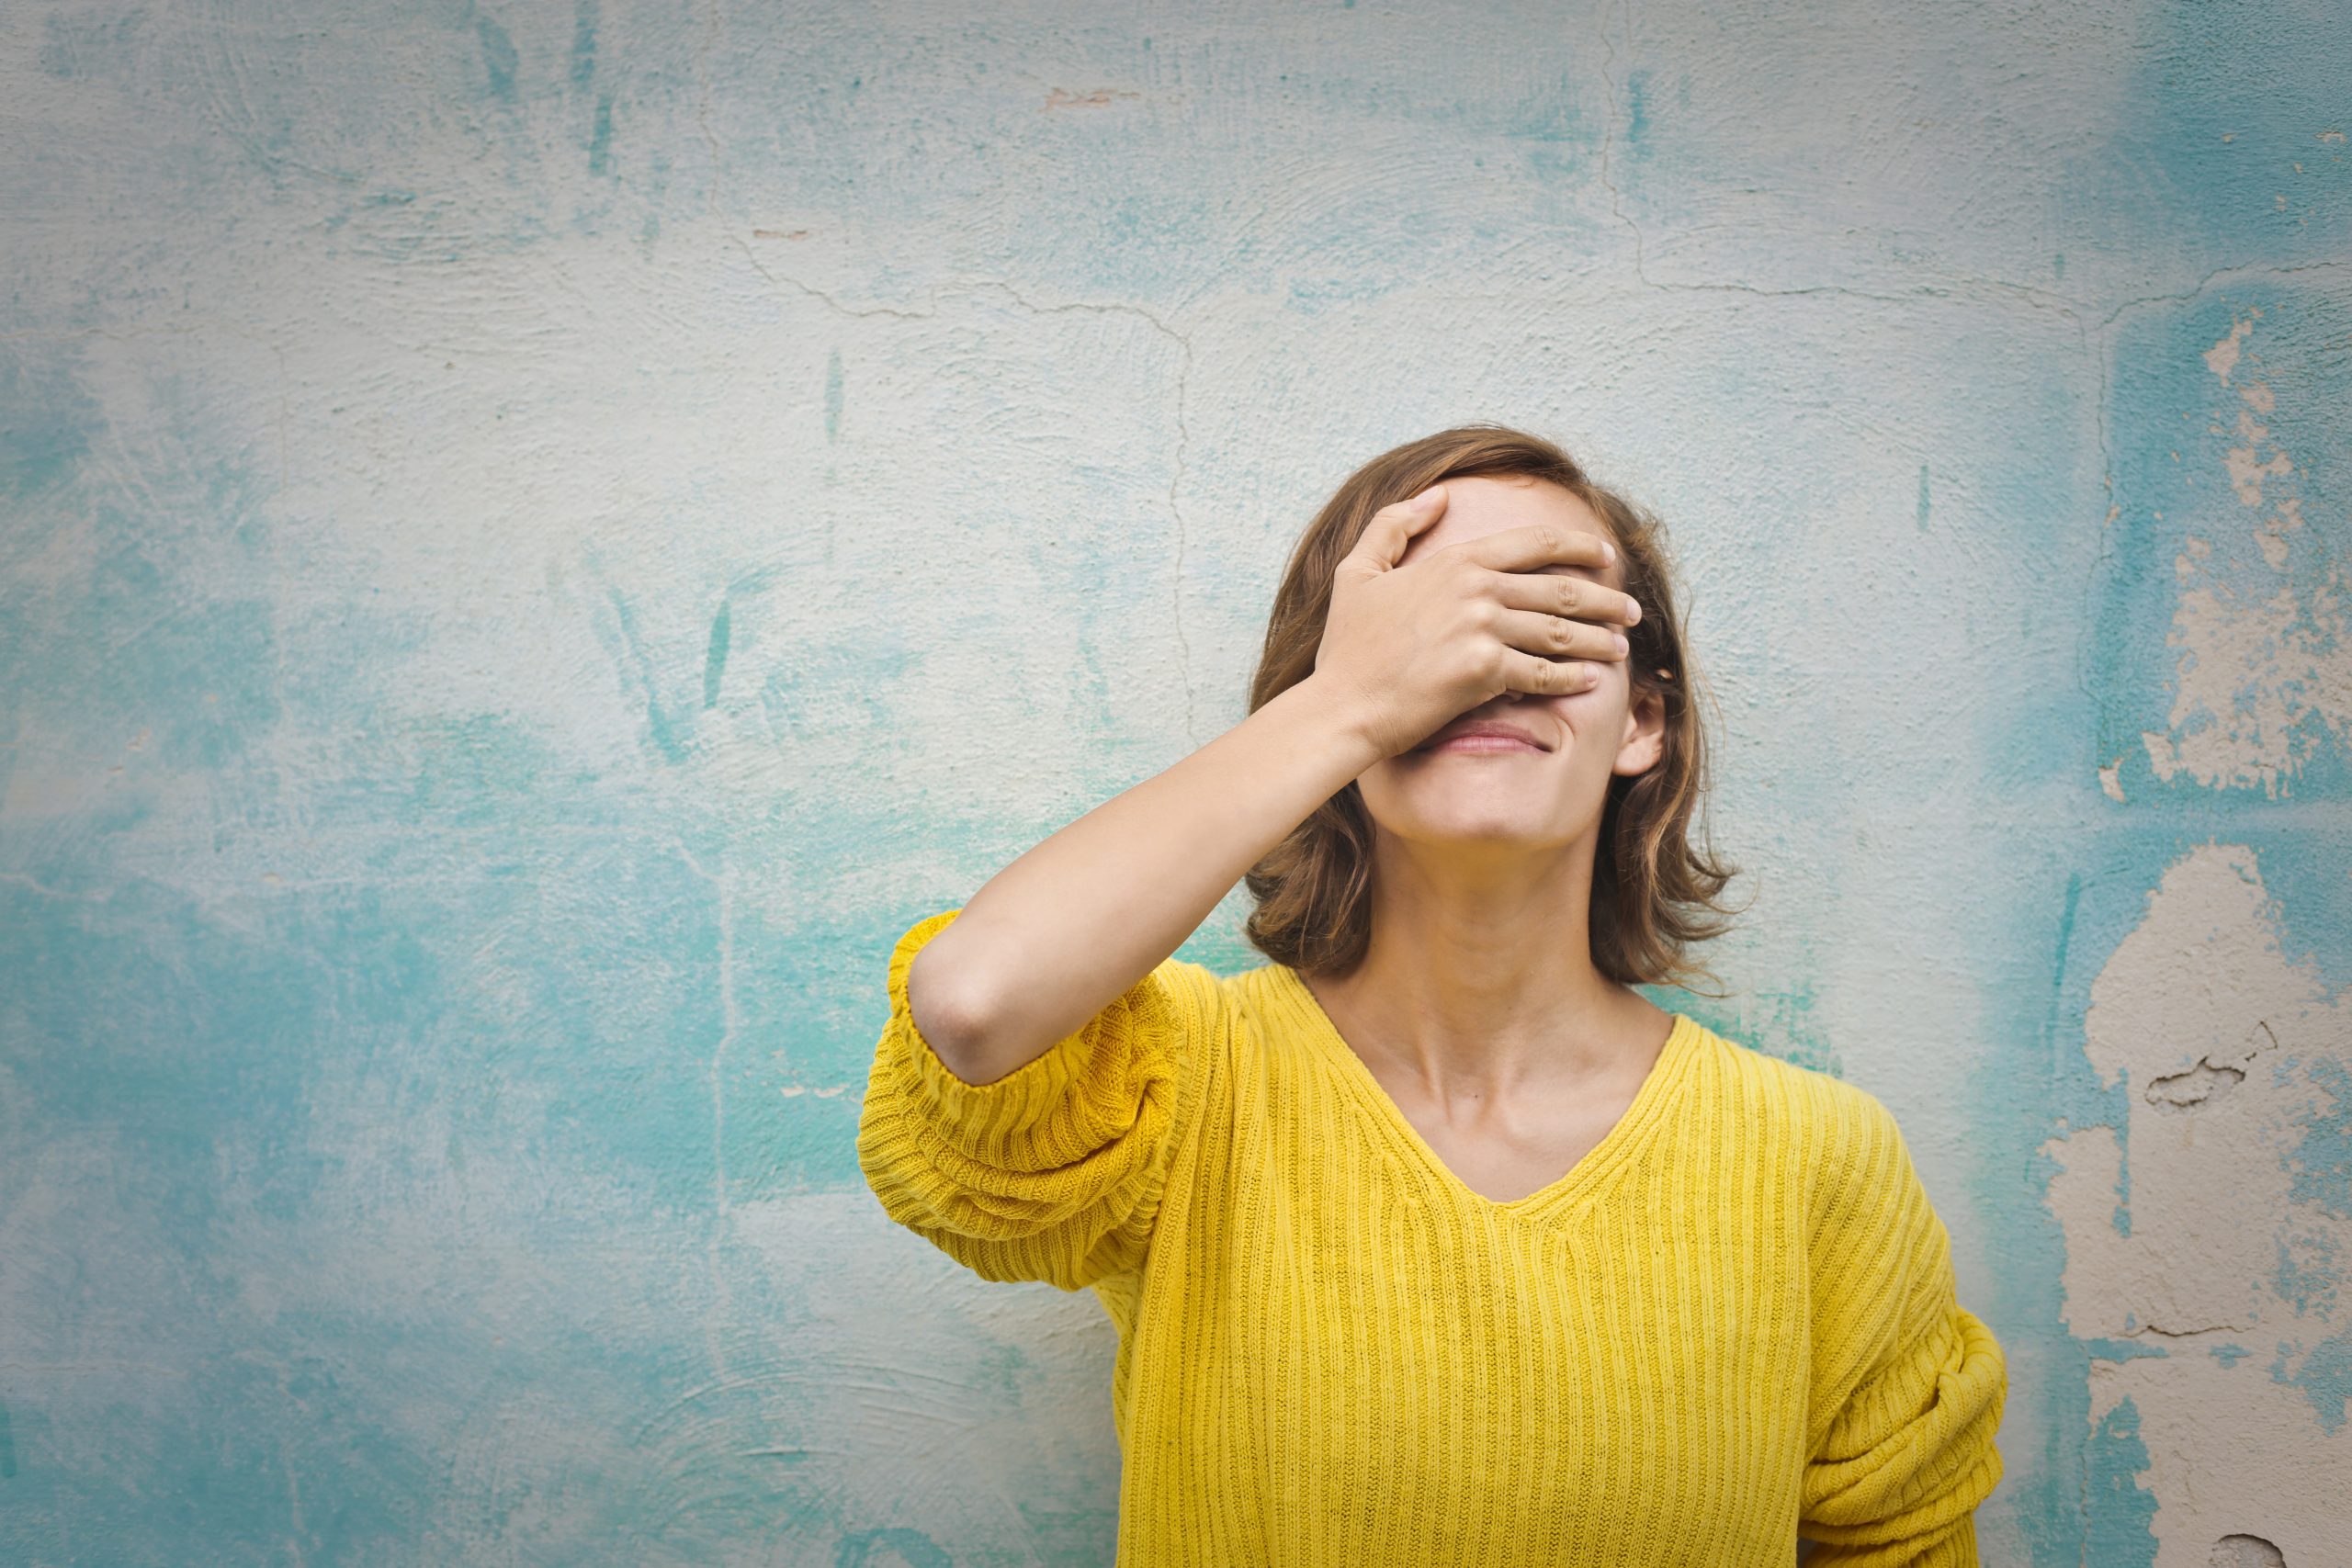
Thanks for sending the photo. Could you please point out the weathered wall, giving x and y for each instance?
(538, 537)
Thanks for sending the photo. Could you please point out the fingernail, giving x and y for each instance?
(1430, 494)
(1618, 638)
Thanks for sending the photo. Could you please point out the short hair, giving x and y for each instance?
(1654, 892)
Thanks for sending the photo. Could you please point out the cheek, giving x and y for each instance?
(1605, 697)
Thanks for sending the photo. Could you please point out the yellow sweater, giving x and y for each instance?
(1731, 1324)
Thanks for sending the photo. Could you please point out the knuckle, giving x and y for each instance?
(1572, 595)
(1563, 634)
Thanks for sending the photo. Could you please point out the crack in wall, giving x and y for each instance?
(1183, 428)
(1176, 474)
(2209, 1080)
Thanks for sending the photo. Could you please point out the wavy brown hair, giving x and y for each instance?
(1654, 892)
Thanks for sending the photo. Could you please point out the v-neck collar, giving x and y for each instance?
(1649, 1107)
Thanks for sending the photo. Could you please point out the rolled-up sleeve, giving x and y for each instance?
(1909, 1384)
(1056, 1171)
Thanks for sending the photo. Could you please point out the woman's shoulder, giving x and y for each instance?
(1827, 1123)
(1270, 999)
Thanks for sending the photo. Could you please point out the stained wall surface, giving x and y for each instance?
(535, 539)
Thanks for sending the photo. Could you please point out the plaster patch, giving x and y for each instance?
(2261, 675)
(2262, 680)
(2222, 357)
(2247, 468)
(2227, 1054)
(2229, 1453)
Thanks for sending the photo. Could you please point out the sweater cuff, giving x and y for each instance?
(1054, 1109)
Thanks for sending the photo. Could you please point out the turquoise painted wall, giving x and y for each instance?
(535, 539)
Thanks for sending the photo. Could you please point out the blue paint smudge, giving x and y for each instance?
(87, 49)
(2122, 1215)
(2118, 1513)
(2307, 1284)
(822, 690)
(47, 417)
(2325, 1378)
(833, 396)
(2122, 1350)
(2041, 1003)
(713, 664)
(2321, 1163)
(583, 43)
(871, 1549)
(2199, 146)
(1923, 498)
(1783, 1023)
(632, 658)
(2064, 940)
(498, 58)
(2231, 1355)
(600, 139)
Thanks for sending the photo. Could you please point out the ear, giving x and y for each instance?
(1645, 741)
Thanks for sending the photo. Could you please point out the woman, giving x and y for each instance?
(1432, 1240)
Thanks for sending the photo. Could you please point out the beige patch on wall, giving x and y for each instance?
(2213, 1034)
(2252, 667)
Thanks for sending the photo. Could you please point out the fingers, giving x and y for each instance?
(1392, 527)
(1539, 545)
(1557, 593)
(1556, 637)
(1539, 676)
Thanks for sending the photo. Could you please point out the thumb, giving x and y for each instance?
(1392, 527)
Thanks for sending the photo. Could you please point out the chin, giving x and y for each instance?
(1475, 818)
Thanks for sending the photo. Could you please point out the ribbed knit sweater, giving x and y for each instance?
(1730, 1325)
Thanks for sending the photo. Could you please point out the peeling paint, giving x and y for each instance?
(2265, 671)
(2220, 1040)
(2244, 572)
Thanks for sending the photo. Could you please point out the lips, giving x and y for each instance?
(1482, 727)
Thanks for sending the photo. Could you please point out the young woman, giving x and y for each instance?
(1432, 1240)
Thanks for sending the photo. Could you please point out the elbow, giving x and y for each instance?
(953, 1019)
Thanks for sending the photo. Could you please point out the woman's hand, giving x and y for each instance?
(1409, 649)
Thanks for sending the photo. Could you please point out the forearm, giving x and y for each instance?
(1057, 935)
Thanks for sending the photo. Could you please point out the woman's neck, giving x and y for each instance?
(1479, 977)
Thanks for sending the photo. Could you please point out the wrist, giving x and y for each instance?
(1337, 721)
